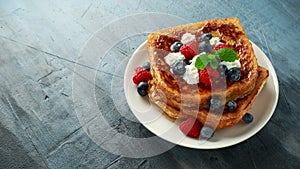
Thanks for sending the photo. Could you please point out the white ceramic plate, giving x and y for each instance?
(154, 120)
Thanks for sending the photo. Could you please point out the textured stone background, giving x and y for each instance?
(40, 42)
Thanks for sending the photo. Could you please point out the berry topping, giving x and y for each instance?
(206, 37)
(191, 127)
(175, 47)
(231, 105)
(247, 118)
(222, 69)
(207, 132)
(142, 88)
(219, 46)
(146, 65)
(141, 75)
(208, 75)
(213, 73)
(205, 46)
(215, 103)
(178, 67)
(138, 69)
(234, 74)
(204, 77)
(189, 62)
(189, 50)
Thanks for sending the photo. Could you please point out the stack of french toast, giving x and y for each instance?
(178, 98)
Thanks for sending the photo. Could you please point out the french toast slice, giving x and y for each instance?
(174, 95)
(229, 31)
(219, 121)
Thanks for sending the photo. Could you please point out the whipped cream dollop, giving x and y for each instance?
(214, 41)
(191, 76)
(230, 65)
(171, 58)
(188, 37)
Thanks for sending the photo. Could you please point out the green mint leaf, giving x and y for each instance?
(199, 64)
(211, 56)
(214, 63)
(227, 54)
(202, 61)
(204, 58)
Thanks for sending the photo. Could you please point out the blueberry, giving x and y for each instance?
(205, 46)
(247, 118)
(178, 67)
(188, 62)
(222, 70)
(231, 105)
(175, 47)
(142, 88)
(207, 132)
(215, 103)
(234, 74)
(206, 37)
(146, 65)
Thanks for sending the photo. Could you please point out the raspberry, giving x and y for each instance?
(219, 46)
(191, 127)
(204, 77)
(213, 73)
(138, 69)
(207, 75)
(190, 49)
(141, 75)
